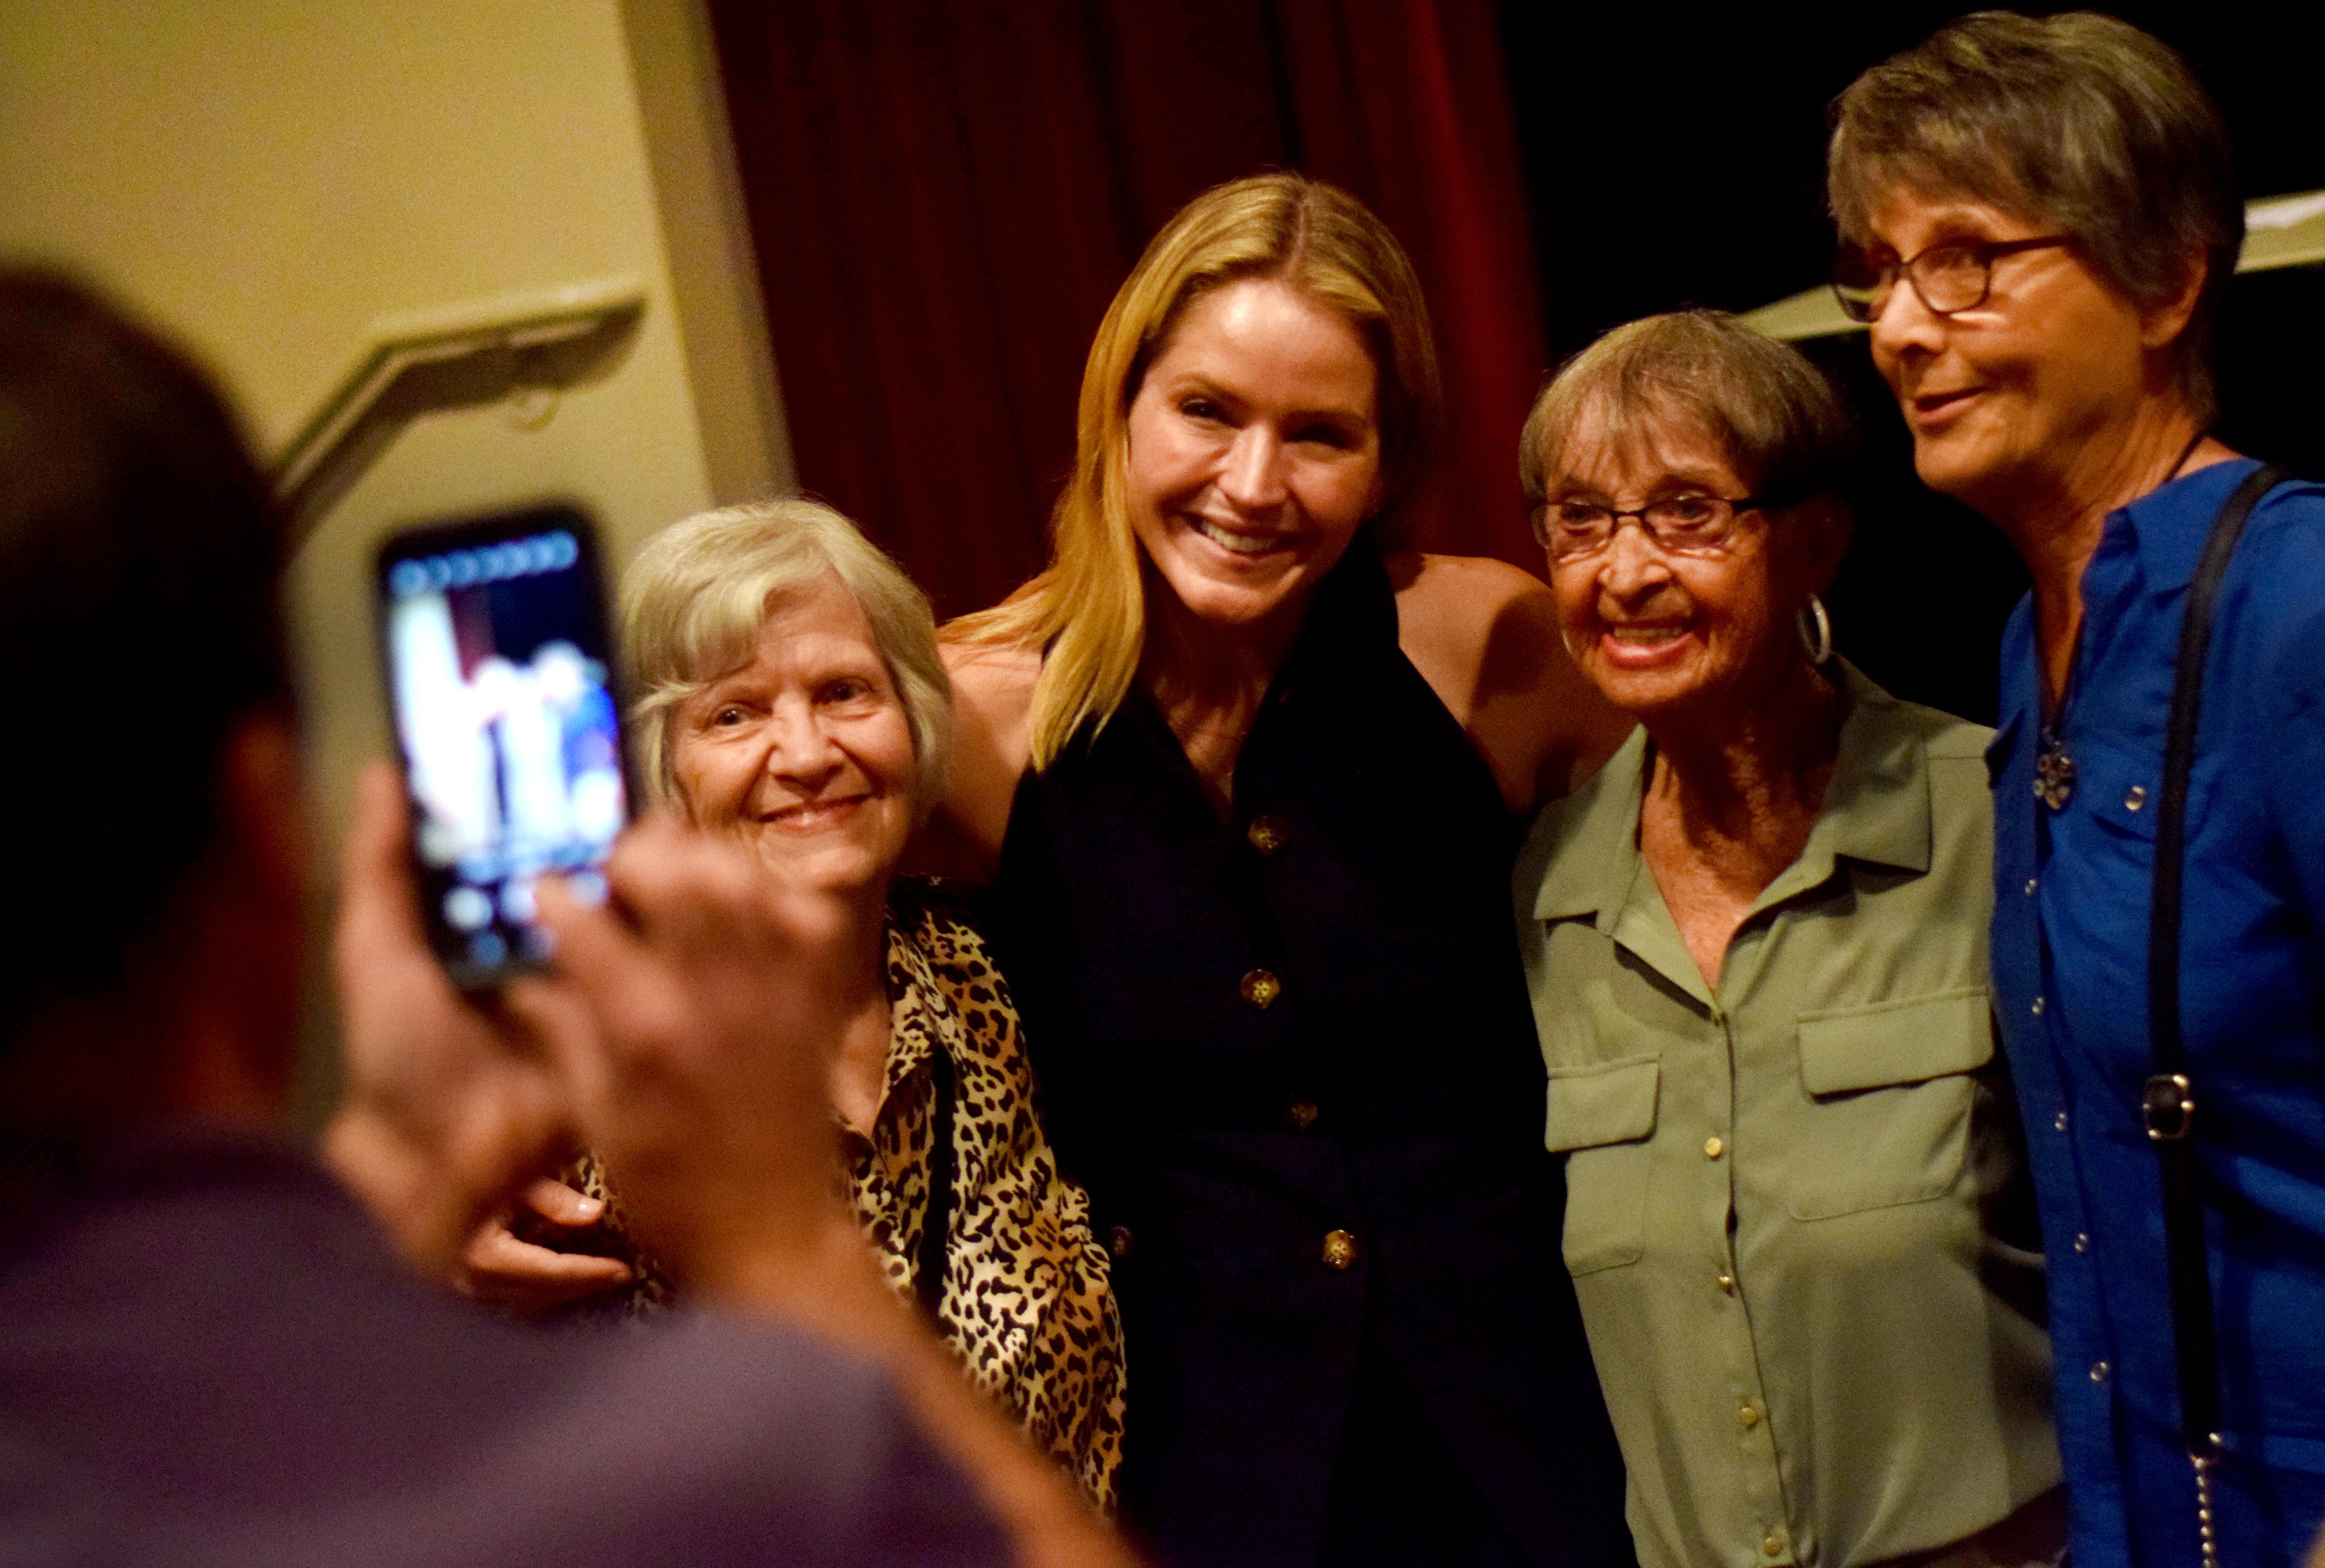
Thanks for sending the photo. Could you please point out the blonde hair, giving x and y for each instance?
(1087, 610)
(694, 599)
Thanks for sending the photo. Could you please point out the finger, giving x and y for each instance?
(557, 1021)
(606, 973)
(679, 886)
(583, 936)
(559, 1204)
(379, 909)
(497, 1267)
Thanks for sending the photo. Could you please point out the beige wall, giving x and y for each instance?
(272, 179)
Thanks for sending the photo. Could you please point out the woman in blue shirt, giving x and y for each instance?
(2039, 217)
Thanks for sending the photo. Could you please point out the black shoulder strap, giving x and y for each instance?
(2169, 1100)
(936, 1226)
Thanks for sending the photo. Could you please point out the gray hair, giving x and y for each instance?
(2079, 122)
(1771, 413)
(694, 599)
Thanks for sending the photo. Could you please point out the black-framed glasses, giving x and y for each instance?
(1685, 525)
(1955, 274)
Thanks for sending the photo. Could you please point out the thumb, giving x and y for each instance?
(378, 902)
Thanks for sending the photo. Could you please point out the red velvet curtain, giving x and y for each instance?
(945, 196)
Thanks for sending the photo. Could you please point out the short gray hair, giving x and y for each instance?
(1771, 413)
(2079, 122)
(694, 599)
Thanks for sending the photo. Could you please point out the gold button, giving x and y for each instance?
(1773, 1546)
(2082, 1241)
(1261, 988)
(1303, 1114)
(1728, 1284)
(2134, 798)
(1118, 1241)
(2099, 1370)
(1267, 834)
(1748, 1416)
(1711, 1147)
(1339, 1249)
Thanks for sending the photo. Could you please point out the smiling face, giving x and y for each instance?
(1661, 634)
(804, 751)
(2009, 400)
(1255, 453)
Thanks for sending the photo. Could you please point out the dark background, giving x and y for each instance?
(1679, 159)
(944, 195)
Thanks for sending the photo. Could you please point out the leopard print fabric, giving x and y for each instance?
(1027, 1306)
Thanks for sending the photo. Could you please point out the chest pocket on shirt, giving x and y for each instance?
(1888, 1097)
(2117, 788)
(1602, 1118)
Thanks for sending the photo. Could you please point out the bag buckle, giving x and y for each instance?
(2167, 1104)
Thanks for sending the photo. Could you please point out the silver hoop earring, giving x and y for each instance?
(1819, 642)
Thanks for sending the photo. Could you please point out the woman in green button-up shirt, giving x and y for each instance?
(1797, 1214)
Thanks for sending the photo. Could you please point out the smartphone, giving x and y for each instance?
(502, 685)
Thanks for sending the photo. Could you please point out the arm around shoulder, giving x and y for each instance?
(1485, 635)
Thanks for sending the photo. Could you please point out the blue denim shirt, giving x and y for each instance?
(2072, 892)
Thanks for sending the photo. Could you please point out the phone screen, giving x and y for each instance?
(501, 685)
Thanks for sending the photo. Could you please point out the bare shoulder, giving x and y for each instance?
(1449, 606)
(996, 679)
(993, 707)
(1485, 635)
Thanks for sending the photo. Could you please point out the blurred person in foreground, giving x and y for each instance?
(791, 698)
(213, 1353)
(2038, 217)
(1797, 1211)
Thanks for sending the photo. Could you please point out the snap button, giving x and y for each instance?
(1303, 1114)
(1261, 988)
(1118, 1240)
(1267, 834)
(1711, 1147)
(2134, 798)
(1339, 1249)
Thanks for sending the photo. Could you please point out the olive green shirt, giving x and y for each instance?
(1797, 1216)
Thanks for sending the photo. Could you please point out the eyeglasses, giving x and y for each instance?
(1688, 525)
(1955, 275)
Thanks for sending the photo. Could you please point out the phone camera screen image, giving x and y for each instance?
(504, 705)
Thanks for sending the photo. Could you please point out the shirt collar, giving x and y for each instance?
(2169, 524)
(1598, 853)
(1877, 810)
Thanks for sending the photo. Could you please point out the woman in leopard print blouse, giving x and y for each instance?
(790, 692)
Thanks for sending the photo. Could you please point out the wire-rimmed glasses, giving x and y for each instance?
(1955, 274)
(1685, 525)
